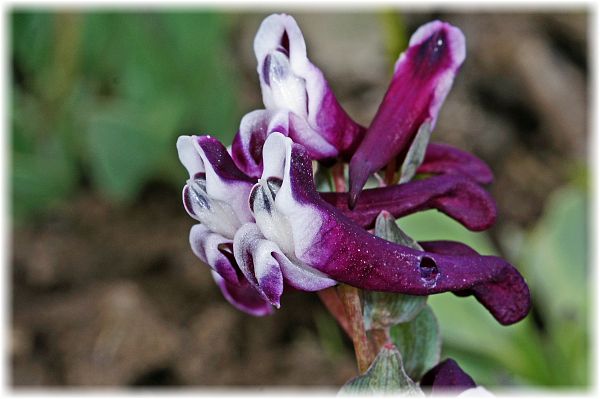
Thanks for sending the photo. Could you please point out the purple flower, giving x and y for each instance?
(300, 104)
(298, 101)
(216, 195)
(259, 237)
(318, 239)
(455, 195)
(447, 377)
(445, 159)
(423, 76)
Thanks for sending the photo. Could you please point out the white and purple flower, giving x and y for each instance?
(298, 101)
(263, 224)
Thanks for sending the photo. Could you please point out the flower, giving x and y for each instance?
(455, 195)
(318, 238)
(300, 104)
(263, 224)
(216, 196)
(298, 101)
(423, 76)
(447, 377)
(444, 159)
(281, 231)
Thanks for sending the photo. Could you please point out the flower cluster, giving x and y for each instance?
(264, 226)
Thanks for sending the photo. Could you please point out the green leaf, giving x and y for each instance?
(467, 326)
(41, 179)
(416, 153)
(124, 150)
(323, 178)
(32, 39)
(419, 342)
(385, 375)
(386, 228)
(557, 257)
(384, 309)
(555, 260)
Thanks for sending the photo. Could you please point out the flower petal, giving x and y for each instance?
(445, 247)
(243, 297)
(321, 237)
(456, 196)
(289, 81)
(422, 78)
(254, 257)
(447, 376)
(217, 192)
(491, 294)
(246, 149)
(302, 277)
(216, 251)
(445, 159)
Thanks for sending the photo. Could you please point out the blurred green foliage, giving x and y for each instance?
(551, 346)
(102, 96)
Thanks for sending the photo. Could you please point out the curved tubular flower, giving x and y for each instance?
(446, 159)
(456, 196)
(423, 76)
(216, 195)
(290, 213)
(296, 91)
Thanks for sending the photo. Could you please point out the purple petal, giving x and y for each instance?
(243, 297)
(445, 159)
(447, 376)
(491, 294)
(308, 229)
(246, 149)
(289, 81)
(456, 196)
(422, 78)
(206, 155)
(216, 251)
(217, 192)
(447, 247)
(254, 257)
(249, 243)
